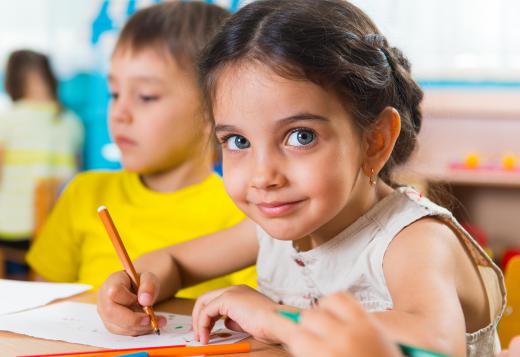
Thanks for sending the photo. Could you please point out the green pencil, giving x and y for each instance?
(407, 350)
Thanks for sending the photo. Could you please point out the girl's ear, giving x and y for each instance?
(380, 140)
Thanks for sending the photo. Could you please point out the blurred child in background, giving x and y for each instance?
(166, 192)
(39, 139)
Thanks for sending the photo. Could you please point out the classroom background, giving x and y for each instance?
(465, 55)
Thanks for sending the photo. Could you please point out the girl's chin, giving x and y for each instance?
(283, 233)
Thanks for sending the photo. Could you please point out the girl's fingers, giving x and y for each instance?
(199, 305)
(207, 317)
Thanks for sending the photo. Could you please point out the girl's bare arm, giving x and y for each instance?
(420, 268)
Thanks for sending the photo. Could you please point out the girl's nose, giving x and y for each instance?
(266, 176)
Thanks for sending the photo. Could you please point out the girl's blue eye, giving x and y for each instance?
(301, 137)
(237, 142)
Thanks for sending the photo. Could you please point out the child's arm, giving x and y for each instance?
(202, 259)
(421, 269)
(166, 270)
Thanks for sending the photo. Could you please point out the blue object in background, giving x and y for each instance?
(102, 22)
(87, 95)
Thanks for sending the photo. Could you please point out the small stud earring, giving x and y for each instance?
(373, 177)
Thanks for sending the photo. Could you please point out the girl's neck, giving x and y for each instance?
(188, 173)
(362, 201)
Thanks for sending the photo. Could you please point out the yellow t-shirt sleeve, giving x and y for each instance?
(55, 253)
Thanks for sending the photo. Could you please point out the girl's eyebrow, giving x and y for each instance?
(280, 122)
(225, 128)
(300, 117)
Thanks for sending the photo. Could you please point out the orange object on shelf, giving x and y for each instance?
(472, 160)
(509, 162)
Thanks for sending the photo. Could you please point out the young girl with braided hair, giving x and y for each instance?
(314, 109)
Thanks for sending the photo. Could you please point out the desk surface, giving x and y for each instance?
(12, 344)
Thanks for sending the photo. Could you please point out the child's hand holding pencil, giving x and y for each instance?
(120, 306)
(125, 299)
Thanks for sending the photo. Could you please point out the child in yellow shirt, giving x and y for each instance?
(166, 193)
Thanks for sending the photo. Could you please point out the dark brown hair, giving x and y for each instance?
(180, 28)
(19, 64)
(331, 43)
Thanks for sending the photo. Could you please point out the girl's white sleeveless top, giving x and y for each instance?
(353, 261)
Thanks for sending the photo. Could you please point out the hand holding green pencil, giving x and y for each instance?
(348, 331)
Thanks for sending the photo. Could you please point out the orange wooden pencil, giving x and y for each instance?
(125, 259)
(163, 351)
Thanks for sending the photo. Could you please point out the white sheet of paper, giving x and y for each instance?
(79, 323)
(22, 295)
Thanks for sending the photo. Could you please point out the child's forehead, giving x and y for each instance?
(268, 97)
(155, 52)
(249, 78)
(149, 61)
(151, 52)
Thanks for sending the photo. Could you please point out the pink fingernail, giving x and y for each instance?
(145, 321)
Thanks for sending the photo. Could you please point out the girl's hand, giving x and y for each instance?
(338, 327)
(121, 309)
(245, 310)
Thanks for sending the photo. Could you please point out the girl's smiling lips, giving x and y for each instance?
(278, 209)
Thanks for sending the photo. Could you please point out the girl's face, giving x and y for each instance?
(291, 156)
(155, 117)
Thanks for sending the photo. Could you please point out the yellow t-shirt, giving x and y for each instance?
(74, 247)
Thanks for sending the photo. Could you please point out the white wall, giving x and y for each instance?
(471, 39)
(461, 39)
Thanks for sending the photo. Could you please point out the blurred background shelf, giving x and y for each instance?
(483, 122)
